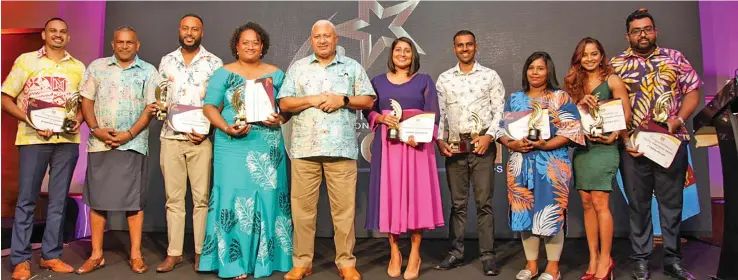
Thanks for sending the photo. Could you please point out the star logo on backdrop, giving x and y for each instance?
(370, 50)
(351, 29)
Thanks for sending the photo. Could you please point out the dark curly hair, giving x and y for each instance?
(263, 37)
(638, 14)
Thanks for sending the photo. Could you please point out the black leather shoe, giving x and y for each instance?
(490, 267)
(676, 271)
(640, 271)
(450, 262)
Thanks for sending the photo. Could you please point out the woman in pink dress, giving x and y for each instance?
(404, 194)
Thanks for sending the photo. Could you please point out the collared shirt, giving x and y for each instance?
(664, 76)
(120, 95)
(188, 83)
(460, 95)
(34, 75)
(314, 132)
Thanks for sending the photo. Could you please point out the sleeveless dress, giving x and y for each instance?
(596, 164)
(249, 224)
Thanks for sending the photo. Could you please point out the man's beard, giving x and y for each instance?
(651, 45)
(194, 46)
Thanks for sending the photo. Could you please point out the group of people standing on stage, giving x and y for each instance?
(253, 222)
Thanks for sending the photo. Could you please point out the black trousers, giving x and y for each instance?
(642, 179)
(480, 170)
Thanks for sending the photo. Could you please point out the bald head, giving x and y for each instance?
(324, 39)
(323, 23)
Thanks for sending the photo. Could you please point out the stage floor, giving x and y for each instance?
(372, 257)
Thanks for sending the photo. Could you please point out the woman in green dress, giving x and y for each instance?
(590, 80)
(249, 225)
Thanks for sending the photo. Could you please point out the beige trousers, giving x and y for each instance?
(554, 245)
(340, 176)
(179, 161)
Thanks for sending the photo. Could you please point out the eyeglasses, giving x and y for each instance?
(648, 30)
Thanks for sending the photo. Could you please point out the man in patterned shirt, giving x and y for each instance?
(663, 88)
(48, 75)
(324, 91)
(465, 89)
(186, 154)
(118, 104)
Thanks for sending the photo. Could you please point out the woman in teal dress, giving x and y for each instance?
(249, 225)
(589, 81)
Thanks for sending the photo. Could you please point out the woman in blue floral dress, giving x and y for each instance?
(539, 172)
(249, 225)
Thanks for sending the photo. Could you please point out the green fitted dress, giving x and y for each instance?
(596, 165)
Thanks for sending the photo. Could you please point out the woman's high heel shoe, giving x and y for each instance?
(393, 274)
(610, 275)
(587, 276)
(414, 274)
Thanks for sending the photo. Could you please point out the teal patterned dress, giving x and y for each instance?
(249, 225)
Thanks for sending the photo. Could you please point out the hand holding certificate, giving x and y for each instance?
(420, 126)
(44, 115)
(254, 102)
(518, 125)
(185, 119)
(656, 143)
(608, 117)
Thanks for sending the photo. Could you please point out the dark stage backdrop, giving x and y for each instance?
(507, 32)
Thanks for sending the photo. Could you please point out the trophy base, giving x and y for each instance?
(461, 147)
(393, 135)
(596, 132)
(68, 126)
(662, 124)
(240, 122)
(534, 134)
(161, 115)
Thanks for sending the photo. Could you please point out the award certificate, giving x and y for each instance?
(612, 114)
(656, 144)
(420, 126)
(258, 99)
(185, 119)
(516, 124)
(44, 115)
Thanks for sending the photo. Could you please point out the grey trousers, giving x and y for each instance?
(479, 170)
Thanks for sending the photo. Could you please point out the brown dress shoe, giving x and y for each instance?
(138, 265)
(56, 265)
(196, 266)
(349, 273)
(170, 263)
(90, 265)
(22, 271)
(297, 273)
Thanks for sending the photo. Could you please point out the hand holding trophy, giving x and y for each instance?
(596, 129)
(534, 132)
(393, 133)
(239, 108)
(476, 127)
(662, 113)
(71, 107)
(160, 93)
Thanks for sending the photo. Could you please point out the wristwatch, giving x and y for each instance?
(345, 100)
(92, 129)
